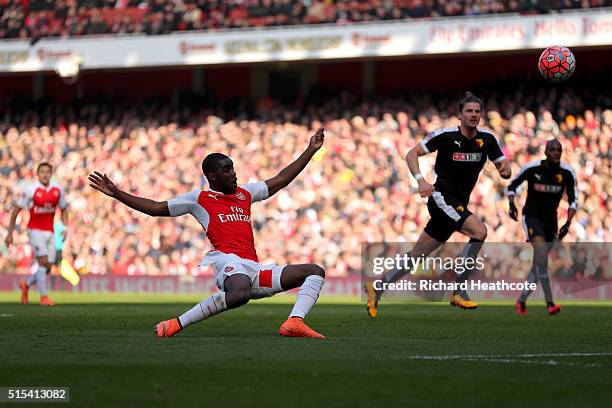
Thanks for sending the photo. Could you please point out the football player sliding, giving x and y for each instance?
(224, 212)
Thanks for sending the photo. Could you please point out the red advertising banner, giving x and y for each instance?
(161, 284)
(586, 289)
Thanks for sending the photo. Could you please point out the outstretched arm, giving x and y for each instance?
(286, 175)
(103, 184)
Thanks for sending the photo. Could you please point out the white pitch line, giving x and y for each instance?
(566, 354)
(519, 358)
(508, 361)
(463, 356)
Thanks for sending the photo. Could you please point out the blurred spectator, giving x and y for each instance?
(356, 189)
(43, 18)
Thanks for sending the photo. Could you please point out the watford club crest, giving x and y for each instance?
(479, 143)
(460, 208)
(530, 231)
(559, 178)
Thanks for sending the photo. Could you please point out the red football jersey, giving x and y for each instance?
(226, 218)
(42, 202)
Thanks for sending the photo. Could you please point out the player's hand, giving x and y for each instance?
(505, 171)
(316, 141)
(9, 240)
(425, 189)
(102, 183)
(513, 212)
(564, 230)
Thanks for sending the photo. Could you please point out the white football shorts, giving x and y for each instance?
(42, 243)
(265, 278)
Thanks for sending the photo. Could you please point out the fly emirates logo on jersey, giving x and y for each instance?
(45, 202)
(46, 209)
(236, 215)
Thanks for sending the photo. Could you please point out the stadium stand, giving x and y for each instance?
(25, 19)
(357, 189)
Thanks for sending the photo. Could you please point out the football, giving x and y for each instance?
(556, 64)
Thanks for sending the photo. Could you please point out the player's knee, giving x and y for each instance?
(237, 298)
(540, 255)
(481, 233)
(316, 270)
(45, 264)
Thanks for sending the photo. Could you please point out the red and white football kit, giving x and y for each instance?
(42, 202)
(226, 219)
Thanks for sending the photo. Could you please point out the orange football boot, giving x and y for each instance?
(521, 308)
(553, 309)
(295, 327)
(459, 301)
(372, 305)
(24, 292)
(168, 328)
(45, 301)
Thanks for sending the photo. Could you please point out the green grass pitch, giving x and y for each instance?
(413, 354)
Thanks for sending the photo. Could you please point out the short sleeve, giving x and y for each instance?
(183, 204)
(434, 140)
(494, 152)
(259, 191)
(24, 197)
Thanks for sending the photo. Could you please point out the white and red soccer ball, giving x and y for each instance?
(557, 63)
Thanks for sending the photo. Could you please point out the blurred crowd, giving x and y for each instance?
(356, 189)
(61, 18)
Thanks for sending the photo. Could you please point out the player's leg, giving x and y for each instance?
(550, 234)
(540, 266)
(25, 285)
(439, 228)
(549, 228)
(309, 278)
(39, 276)
(44, 251)
(474, 228)
(521, 305)
(531, 230)
(49, 244)
(540, 263)
(425, 245)
(31, 281)
(235, 292)
(540, 234)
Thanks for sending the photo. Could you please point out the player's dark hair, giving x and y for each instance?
(553, 142)
(212, 162)
(44, 164)
(468, 98)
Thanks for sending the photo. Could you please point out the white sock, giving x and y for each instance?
(208, 307)
(41, 279)
(32, 279)
(307, 296)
